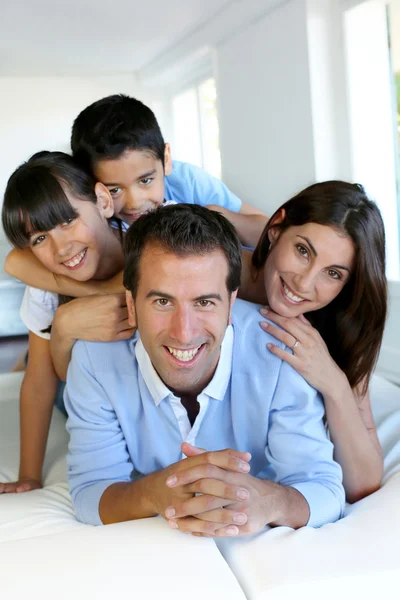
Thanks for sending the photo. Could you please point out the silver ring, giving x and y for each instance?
(295, 345)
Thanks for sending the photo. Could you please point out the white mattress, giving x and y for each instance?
(41, 539)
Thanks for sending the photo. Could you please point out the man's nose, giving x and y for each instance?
(183, 326)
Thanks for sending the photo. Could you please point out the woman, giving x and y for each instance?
(58, 211)
(323, 254)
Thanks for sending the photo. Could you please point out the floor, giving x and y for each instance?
(11, 349)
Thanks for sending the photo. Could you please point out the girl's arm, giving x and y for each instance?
(249, 222)
(23, 265)
(95, 319)
(38, 391)
(349, 416)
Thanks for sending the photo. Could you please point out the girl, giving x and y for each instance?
(323, 254)
(60, 213)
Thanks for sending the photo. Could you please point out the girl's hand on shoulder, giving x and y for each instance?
(306, 350)
(22, 485)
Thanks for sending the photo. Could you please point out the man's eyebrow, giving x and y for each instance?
(142, 176)
(160, 294)
(316, 254)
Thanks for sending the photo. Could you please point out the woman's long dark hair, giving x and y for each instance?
(352, 324)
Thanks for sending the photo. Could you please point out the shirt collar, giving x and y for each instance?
(215, 389)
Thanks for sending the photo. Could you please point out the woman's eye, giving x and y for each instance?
(114, 191)
(334, 274)
(302, 250)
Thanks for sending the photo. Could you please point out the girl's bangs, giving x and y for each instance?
(45, 207)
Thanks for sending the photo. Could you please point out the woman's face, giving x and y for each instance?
(78, 248)
(306, 268)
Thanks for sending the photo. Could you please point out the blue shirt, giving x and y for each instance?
(122, 427)
(192, 185)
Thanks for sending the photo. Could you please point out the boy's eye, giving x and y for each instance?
(302, 250)
(114, 191)
(146, 180)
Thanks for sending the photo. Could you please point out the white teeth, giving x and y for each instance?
(184, 355)
(76, 260)
(291, 296)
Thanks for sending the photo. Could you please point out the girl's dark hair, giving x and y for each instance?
(35, 198)
(352, 324)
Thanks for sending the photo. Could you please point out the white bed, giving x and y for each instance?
(43, 547)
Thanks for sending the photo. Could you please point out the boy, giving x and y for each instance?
(119, 140)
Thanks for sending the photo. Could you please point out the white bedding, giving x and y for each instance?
(360, 554)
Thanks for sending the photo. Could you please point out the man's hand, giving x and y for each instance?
(24, 484)
(258, 503)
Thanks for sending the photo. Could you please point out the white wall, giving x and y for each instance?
(37, 113)
(266, 136)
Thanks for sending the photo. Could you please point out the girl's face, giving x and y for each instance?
(306, 268)
(81, 248)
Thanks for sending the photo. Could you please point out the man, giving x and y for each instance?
(195, 374)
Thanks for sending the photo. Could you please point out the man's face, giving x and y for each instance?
(182, 309)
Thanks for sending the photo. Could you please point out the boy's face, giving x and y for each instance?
(135, 181)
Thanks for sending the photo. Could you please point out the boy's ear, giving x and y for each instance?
(167, 160)
(130, 303)
(105, 202)
(274, 232)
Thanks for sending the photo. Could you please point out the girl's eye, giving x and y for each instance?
(334, 274)
(38, 240)
(146, 180)
(68, 221)
(114, 191)
(302, 250)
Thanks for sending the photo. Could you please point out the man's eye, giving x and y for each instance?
(162, 302)
(114, 191)
(205, 303)
(302, 250)
(146, 180)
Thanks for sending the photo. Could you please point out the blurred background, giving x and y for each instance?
(269, 95)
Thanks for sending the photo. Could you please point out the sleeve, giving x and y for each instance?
(193, 185)
(97, 453)
(37, 310)
(299, 450)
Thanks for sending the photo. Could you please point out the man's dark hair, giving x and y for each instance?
(184, 230)
(111, 126)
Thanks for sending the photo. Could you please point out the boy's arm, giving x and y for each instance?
(249, 222)
(36, 405)
(23, 265)
(93, 319)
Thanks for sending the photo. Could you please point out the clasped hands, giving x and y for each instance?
(213, 494)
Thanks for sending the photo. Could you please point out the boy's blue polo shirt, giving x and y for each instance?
(188, 184)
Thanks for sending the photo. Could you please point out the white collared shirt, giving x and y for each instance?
(215, 389)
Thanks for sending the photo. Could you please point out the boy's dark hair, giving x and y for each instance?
(184, 230)
(35, 198)
(111, 126)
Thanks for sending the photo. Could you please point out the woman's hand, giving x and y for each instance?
(309, 354)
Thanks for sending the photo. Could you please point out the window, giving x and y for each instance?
(195, 127)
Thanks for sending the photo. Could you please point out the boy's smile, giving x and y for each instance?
(135, 180)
